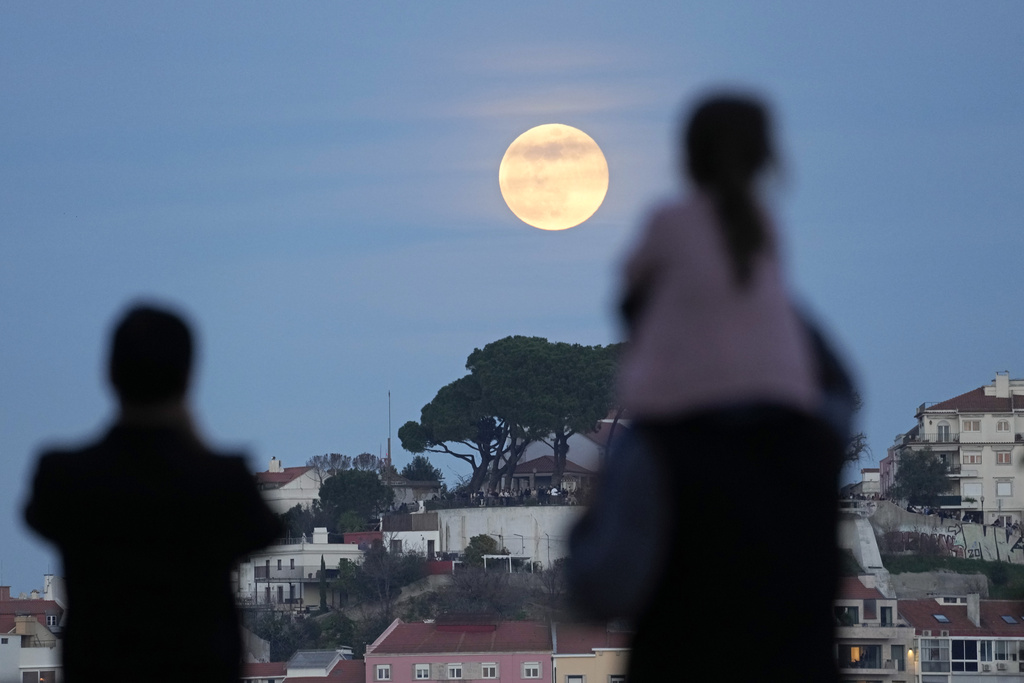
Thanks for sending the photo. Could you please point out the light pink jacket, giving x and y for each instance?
(702, 341)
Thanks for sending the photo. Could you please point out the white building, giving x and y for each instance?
(285, 487)
(980, 435)
(872, 641)
(30, 650)
(287, 573)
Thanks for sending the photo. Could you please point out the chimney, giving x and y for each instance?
(5, 593)
(22, 625)
(320, 534)
(34, 594)
(1003, 384)
(275, 465)
(974, 609)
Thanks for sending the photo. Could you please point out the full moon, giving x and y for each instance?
(553, 177)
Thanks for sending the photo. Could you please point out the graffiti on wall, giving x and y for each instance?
(970, 541)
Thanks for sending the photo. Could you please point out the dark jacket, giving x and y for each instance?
(149, 523)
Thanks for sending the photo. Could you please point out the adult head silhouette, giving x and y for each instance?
(150, 356)
(726, 146)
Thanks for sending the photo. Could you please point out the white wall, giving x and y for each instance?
(539, 531)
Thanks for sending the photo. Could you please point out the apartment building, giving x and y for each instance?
(980, 435)
(872, 641)
(963, 639)
(461, 649)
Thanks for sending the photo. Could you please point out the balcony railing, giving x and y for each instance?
(297, 573)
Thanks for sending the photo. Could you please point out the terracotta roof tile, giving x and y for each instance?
(26, 606)
(976, 401)
(850, 588)
(920, 615)
(287, 475)
(581, 639)
(263, 669)
(509, 636)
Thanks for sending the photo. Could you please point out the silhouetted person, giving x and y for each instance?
(149, 522)
(729, 389)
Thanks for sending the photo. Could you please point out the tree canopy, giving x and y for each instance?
(356, 491)
(420, 469)
(518, 390)
(921, 478)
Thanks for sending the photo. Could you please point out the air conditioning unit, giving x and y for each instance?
(944, 634)
(926, 633)
(1000, 666)
(986, 667)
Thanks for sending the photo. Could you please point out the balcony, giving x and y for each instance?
(297, 573)
(936, 438)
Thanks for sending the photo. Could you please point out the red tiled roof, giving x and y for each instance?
(27, 606)
(920, 615)
(977, 402)
(288, 474)
(581, 639)
(508, 636)
(545, 464)
(850, 588)
(345, 671)
(6, 623)
(263, 669)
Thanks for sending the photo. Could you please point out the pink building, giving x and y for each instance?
(451, 651)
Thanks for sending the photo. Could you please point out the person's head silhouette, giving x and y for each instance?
(726, 145)
(150, 357)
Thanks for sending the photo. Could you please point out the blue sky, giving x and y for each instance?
(316, 184)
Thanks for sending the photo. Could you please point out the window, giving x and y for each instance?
(531, 670)
(489, 670)
(941, 618)
(934, 655)
(279, 564)
(1003, 458)
(291, 563)
(972, 458)
(972, 426)
(396, 546)
(1008, 619)
(383, 672)
(422, 672)
(51, 619)
(896, 654)
(454, 671)
(1004, 488)
(574, 679)
(973, 490)
(943, 435)
(1003, 426)
(965, 655)
(1004, 650)
(860, 656)
(616, 679)
(3, 641)
(887, 616)
(846, 616)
